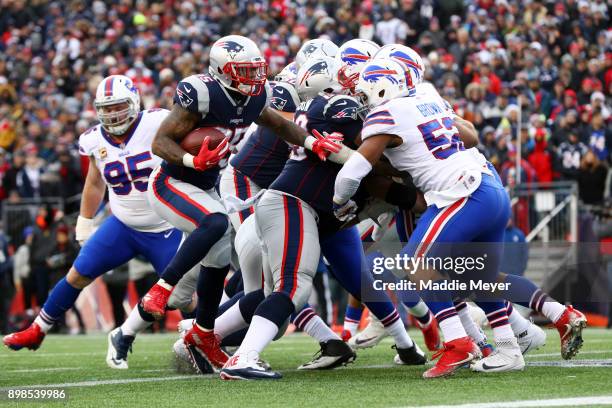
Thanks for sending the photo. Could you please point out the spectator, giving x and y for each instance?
(6, 284)
(540, 158)
(28, 179)
(592, 179)
(390, 29)
(22, 277)
(569, 156)
(599, 137)
(42, 247)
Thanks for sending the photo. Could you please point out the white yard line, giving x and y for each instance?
(557, 402)
(110, 382)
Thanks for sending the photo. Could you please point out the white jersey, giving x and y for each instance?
(431, 150)
(125, 169)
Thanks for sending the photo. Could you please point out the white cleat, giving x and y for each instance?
(531, 339)
(183, 361)
(370, 336)
(184, 326)
(247, 366)
(118, 347)
(506, 357)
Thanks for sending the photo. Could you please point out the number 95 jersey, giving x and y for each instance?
(125, 168)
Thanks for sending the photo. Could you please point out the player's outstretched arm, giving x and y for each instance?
(93, 193)
(172, 130)
(467, 132)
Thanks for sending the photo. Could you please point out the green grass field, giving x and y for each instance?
(76, 364)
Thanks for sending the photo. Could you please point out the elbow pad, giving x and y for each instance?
(402, 195)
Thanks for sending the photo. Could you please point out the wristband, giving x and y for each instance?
(188, 160)
(309, 141)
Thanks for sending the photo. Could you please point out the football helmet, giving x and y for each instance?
(379, 81)
(284, 97)
(318, 75)
(288, 74)
(117, 104)
(410, 60)
(237, 63)
(352, 56)
(319, 47)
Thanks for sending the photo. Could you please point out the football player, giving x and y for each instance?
(120, 161)
(232, 96)
(296, 211)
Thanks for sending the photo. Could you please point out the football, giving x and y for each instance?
(193, 141)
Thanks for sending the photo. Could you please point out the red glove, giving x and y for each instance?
(326, 143)
(207, 158)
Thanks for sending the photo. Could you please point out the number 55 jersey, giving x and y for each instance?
(431, 150)
(125, 168)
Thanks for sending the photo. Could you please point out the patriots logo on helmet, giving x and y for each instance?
(318, 68)
(347, 113)
(408, 61)
(352, 56)
(278, 103)
(232, 47)
(309, 49)
(374, 73)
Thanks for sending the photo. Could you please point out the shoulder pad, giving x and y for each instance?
(192, 94)
(342, 108)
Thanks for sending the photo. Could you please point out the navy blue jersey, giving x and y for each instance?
(202, 94)
(264, 154)
(305, 176)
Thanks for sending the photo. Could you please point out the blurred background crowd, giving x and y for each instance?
(538, 70)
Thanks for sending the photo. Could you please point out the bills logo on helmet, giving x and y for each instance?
(408, 61)
(352, 56)
(374, 73)
(318, 68)
(130, 86)
(232, 47)
(347, 113)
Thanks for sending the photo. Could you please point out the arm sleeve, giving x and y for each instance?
(192, 94)
(349, 177)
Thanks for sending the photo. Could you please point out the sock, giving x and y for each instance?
(449, 322)
(195, 247)
(498, 319)
(352, 317)
(137, 321)
(270, 315)
(518, 323)
(210, 288)
(420, 311)
(61, 298)
(395, 327)
(525, 293)
(309, 322)
(471, 328)
(239, 315)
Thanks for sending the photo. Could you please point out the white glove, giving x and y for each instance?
(382, 225)
(84, 229)
(345, 211)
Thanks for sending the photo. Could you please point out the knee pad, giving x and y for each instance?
(219, 255)
(215, 223)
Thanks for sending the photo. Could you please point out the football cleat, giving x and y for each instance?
(570, 326)
(506, 357)
(182, 361)
(247, 366)
(453, 355)
(184, 326)
(333, 353)
(30, 338)
(531, 339)
(431, 334)
(208, 344)
(118, 347)
(155, 301)
(409, 356)
(370, 336)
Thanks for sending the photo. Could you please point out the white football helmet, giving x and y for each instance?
(318, 75)
(236, 62)
(352, 56)
(319, 47)
(117, 104)
(410, 60)
(379, 81)
(288, 74)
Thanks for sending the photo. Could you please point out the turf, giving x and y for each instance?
(76, 363)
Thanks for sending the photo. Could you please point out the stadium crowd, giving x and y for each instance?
(540, 69)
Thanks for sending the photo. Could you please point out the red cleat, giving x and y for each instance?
(570, 326)
(208, 344)
(453, 356)
(431, 334)
(30, 338)
(346, 335)
(155, 301)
